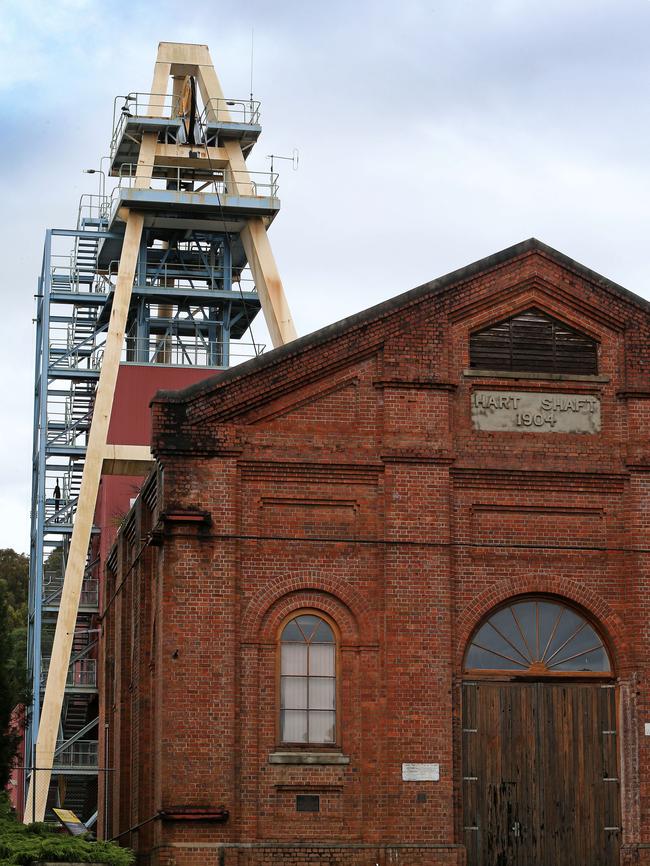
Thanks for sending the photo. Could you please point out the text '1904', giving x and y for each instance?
(535, 412)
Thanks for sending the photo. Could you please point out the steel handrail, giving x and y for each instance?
(72, 355)
(138, 104)
(72, 430)
(83, 672)
(135, 100)
(89, 591)
(78, 753)
(174, 274)
(93, 203)
(187, 350)
(246, 109)
(220, 178)
(75, 285)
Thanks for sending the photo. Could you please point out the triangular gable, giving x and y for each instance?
(266, 378)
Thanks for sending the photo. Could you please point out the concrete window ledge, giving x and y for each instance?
(308, 758)
(525, 374)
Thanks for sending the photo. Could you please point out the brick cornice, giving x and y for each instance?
(407, 455)
(304, 472)
(526, 479)
(414, 385)
(633, 395)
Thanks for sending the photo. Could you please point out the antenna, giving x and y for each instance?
(294, 158)
(252, 46)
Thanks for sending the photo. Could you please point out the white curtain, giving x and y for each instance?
(322, 660)
(294, 693)
(294, 659)
(321, 727)
(321, 693)
(294, 726)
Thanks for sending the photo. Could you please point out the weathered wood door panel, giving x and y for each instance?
(540, 780)
(578, 777)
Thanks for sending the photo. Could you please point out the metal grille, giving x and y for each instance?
(533, 342)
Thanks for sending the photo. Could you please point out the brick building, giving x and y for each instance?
(385, 600)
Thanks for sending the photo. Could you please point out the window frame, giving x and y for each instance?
(301, 746)
(510, 674)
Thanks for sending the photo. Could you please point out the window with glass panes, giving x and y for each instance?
(307, 681)
(537, 635)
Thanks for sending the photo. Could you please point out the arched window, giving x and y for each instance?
(307, 681)
(537, 637)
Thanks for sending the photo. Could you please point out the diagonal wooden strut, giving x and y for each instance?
(76, 563)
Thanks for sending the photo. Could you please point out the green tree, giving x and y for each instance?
(14, 575)
(11, 693)
(14, 572)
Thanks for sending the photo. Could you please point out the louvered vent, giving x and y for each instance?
(533, 342)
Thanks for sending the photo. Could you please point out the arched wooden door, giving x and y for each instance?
(539, 729)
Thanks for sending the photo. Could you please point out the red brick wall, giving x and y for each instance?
(345, 476)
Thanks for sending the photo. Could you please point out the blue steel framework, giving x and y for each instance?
(188, 308)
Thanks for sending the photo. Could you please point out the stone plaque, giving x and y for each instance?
(420, 772)
(535, 412)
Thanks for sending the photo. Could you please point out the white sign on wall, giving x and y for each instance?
(535, 412)
(420, 772)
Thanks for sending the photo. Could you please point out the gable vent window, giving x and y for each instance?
(535, 343)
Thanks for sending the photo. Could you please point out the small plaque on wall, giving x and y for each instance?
(420, 772)
(535, 412)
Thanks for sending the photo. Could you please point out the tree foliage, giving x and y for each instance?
(14, 575)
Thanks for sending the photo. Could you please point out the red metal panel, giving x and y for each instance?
(131, 425)
(136, 385)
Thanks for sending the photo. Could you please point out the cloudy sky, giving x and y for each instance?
(430, 134)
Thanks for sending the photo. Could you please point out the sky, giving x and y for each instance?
(430, 134)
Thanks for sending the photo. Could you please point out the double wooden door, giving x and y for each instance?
(540, 774)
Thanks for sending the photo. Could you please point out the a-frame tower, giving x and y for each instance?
(151, 296)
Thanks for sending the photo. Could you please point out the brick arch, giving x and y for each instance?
(333, 596)
(565, 589)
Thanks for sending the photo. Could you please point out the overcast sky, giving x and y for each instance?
(430, 134)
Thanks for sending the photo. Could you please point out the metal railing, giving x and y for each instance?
(64, 354)
(256, 184)
(164, 105)
(93, 207)
(245, 111)
(53, 587)
(138, 104)
(81, 673)
(187, 350)
(80, 753)
(59, 514)
(67, 276)
(66, 430)
(179, 275)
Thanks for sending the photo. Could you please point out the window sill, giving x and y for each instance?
(549, 377)
(308, 758)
